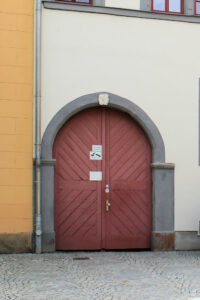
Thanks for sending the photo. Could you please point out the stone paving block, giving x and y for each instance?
(116, 275)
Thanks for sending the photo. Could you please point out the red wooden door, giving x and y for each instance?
(127, 171)
(81, 219)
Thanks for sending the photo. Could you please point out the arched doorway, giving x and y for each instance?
(162, 173)
(102, 182)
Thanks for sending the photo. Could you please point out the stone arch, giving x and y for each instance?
(163, 186)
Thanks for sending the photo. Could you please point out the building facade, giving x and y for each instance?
(145, 63)
(16, 124)
(116, 120)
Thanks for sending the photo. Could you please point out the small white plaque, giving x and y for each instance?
(103, 99)
(97, 148)
(95, 155)
(95, 176)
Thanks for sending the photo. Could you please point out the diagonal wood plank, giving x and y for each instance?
(130, 184)
(77, 200)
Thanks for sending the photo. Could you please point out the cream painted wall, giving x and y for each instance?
(153, 63)
(129, 4)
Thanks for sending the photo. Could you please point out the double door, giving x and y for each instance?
(102, 182)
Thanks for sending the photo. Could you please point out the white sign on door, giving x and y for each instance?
(97, 148)
(96, 153)
(95, 175)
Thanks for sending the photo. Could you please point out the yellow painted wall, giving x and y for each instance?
(16, 114)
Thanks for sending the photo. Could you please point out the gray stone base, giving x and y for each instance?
(163, 241)
(48, 242)
(187, 240)
(16, 242)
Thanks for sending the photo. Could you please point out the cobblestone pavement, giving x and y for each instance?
(104, 276)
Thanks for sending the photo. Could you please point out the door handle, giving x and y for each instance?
(108, 204)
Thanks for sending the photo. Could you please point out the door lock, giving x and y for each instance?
(107, 189)
(108, 204)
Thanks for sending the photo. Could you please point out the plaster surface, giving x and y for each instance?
(187, 240)
(144, 65)
(15, 242)
(128, 4)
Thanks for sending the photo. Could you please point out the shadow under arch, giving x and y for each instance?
(162, 175)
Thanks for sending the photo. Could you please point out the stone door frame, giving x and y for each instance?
(162, 173)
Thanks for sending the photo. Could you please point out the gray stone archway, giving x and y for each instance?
(162, 173)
